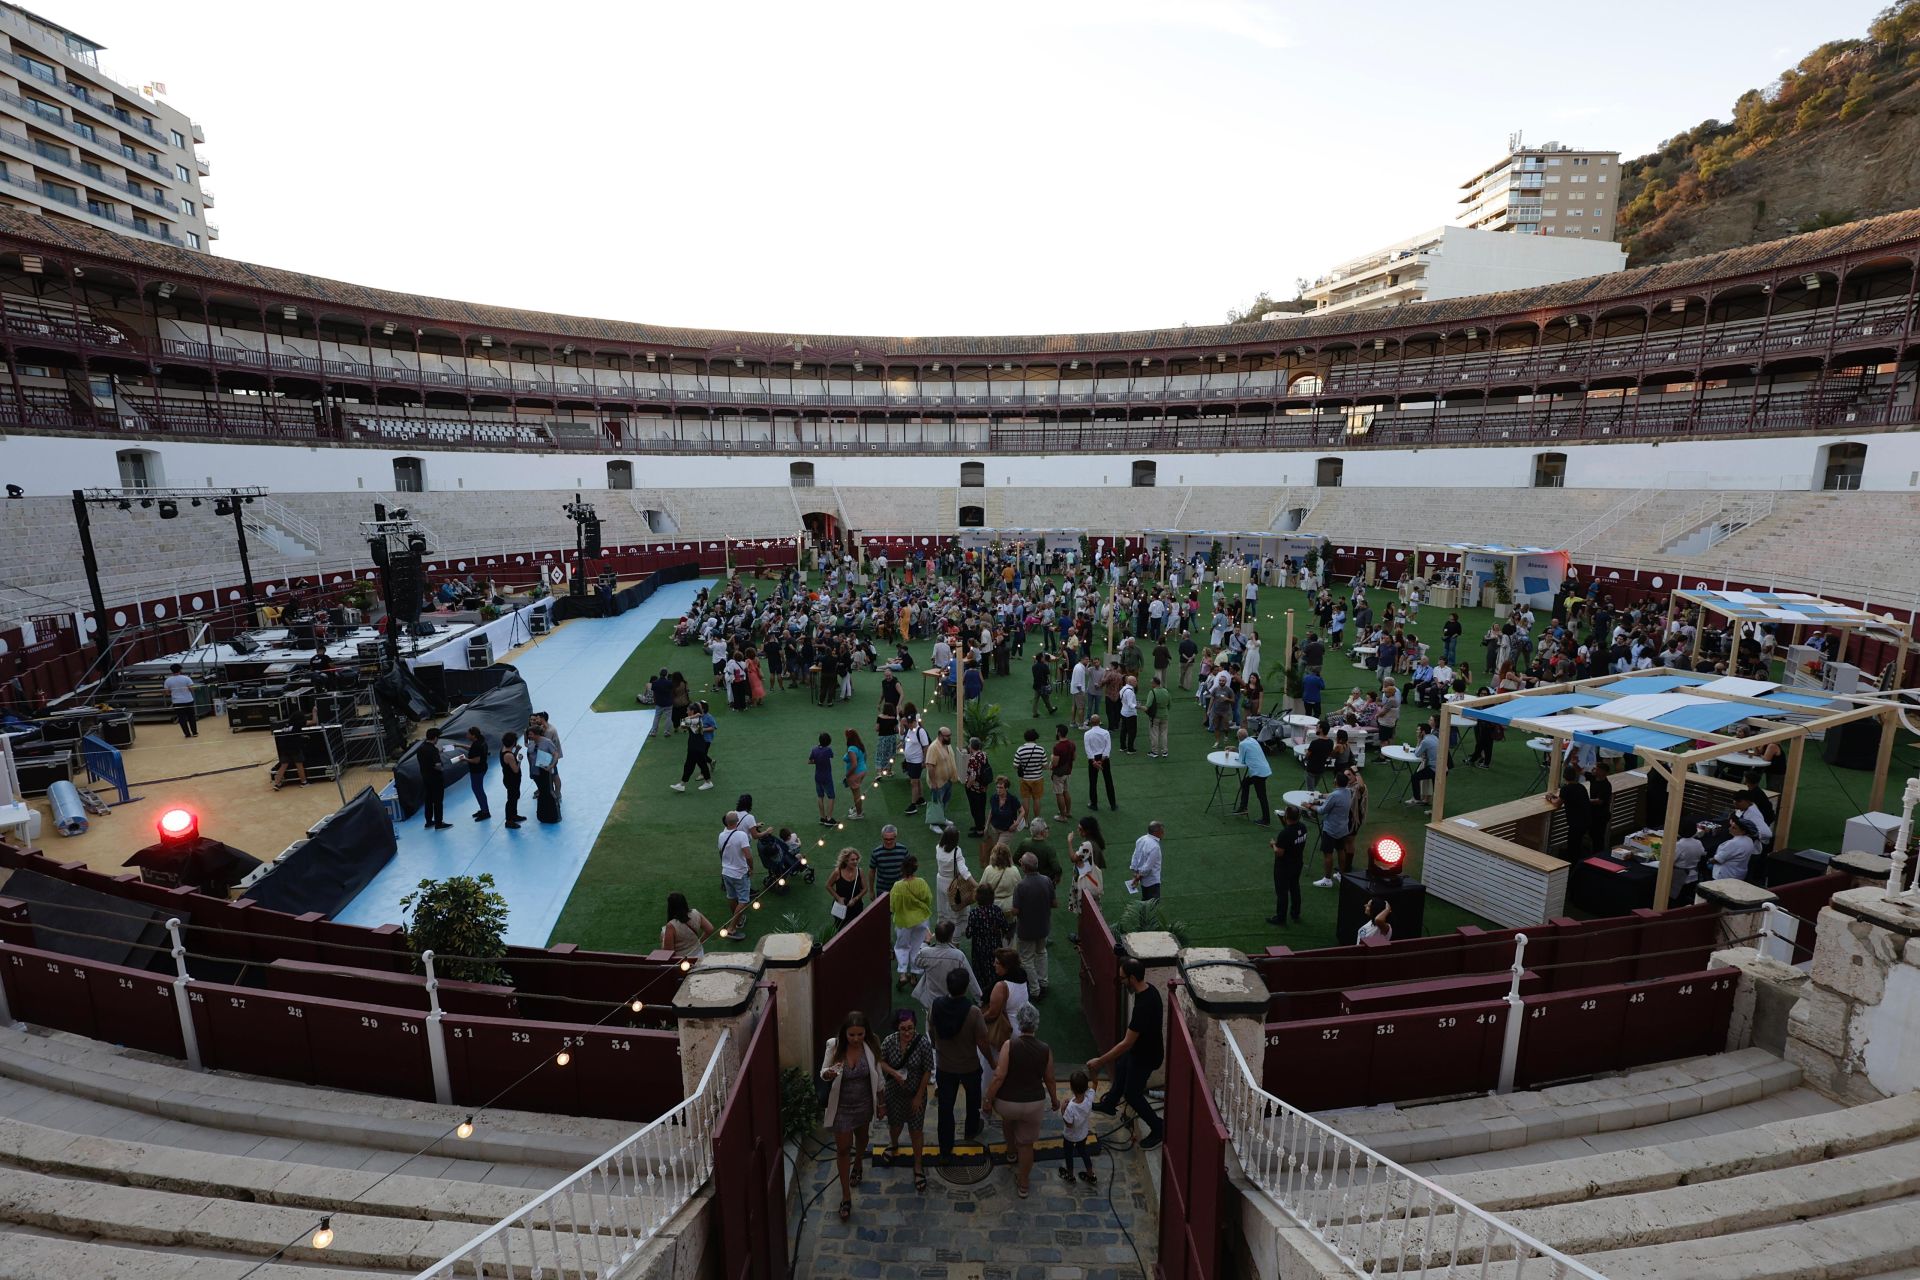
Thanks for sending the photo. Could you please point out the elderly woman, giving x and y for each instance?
(906, 1057)
(1021, 1088)
(1000, 873)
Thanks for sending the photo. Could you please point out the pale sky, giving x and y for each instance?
(900, 168)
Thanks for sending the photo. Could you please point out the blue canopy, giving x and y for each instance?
(1651, 684)
(1534, 708)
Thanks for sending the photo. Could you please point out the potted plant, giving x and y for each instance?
(1143, 916)
(463, 919)
(985, 722)
(1502, 592)
(1296, 690)
(1213, 555)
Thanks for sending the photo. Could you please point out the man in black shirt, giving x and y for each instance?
(1188, 652)
(1575, 804)
(1313, 654)
(1137, 1056)
(1600, 815)
(1289, 855)
(1042, 686)
(433, 781)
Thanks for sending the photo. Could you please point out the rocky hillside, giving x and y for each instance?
(1836, 137)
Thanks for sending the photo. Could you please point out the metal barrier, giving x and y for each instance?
(1373, 1214)
(604, 1215)
(104, 764)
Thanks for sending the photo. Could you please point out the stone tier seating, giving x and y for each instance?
(1713, 1174)
(113, 1163)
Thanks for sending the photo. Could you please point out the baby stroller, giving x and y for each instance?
(781, 858)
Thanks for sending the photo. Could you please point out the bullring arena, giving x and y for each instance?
(1680, 497)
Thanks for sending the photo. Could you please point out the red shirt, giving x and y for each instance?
(1063, 753)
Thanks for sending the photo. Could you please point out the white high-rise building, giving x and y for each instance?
(75, 143)
(1551, 190)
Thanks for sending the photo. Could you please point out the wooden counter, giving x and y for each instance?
(1509, 862)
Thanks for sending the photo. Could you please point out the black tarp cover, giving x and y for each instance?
(77, 921)
(336, 862)
(505, 708)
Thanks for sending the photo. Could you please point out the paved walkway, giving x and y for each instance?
(971, 1226)
(535, 866)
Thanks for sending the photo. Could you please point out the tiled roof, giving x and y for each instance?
(1896, 232)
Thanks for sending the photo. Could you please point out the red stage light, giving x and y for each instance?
(1388, 855)
(178, 826)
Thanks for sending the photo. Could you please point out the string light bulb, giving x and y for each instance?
(783, 882)
(464, 1129)
(823, 844)
(637, 1005)
(562, 1058)
(725, 932)
(756, 904)
(323, 1236)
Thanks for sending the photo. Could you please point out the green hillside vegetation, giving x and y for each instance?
(1839, 82)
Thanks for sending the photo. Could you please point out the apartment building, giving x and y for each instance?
(75, 143)
(1456, 262)
(1550, 190)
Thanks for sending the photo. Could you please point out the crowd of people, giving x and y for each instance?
(1108, 640)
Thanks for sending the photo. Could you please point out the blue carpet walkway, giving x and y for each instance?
(535, 866)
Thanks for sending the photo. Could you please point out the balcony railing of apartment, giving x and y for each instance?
(45, 194)
(91, 174)
(54, 116)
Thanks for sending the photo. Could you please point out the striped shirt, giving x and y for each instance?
(1030, 761)
(886, 865)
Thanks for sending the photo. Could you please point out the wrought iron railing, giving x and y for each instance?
(1374, 1215)
(600, 1219)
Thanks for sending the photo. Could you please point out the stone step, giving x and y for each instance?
(29, 1256)
(1694, 1161)
(134, 1215)
(1872, 1242)
(56, 1153)
(1653, 1095)
(223, 1100)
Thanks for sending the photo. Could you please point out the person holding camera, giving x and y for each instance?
(1378, 923)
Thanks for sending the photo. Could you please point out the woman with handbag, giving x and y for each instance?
(846, 890)
(1005, 998)
(952, 879)
(1089, 858)
(854, 1096)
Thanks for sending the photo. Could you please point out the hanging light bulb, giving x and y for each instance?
(823, 844)
(637, 1005)
(562, 1058)
(756, 904)
(686, 966)
(839, 826)
(803, 859)
(464, 1129)
(324, 1236)
(782, 882)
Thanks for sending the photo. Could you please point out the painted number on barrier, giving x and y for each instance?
(1331, 1033)
(1538, 1011)
(238, 1002)
(295, 1011)
(410, 1028)
(126, 984)
(620, 1044)
(373, 1023)
(1587, 1006)
(1443, 1023)
(1720, 984)
(1687, 989)
(521, 1037)
(1488, 1020)
(1384, 1029)
(461, 1033)
(1638, 997)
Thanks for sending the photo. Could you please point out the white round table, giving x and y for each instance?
(1302, 726)
(1401, 760)
(1223, 762)
(1300, 799)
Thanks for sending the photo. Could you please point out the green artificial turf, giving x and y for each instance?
(1217, 868)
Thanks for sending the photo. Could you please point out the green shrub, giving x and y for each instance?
(463, 921)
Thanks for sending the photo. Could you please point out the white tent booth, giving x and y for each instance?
(1184, 544)
(1055, 539)
(1534, 574)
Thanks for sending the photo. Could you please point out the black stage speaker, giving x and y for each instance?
(593, 537)
(1853, 746)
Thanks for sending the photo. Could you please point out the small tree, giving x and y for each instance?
(1213, 555)
(463, 921)
(1502, 589)
(985, 722)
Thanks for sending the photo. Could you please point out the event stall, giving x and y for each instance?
(1513, 862)
(1534, 573)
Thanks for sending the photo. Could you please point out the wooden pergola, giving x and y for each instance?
(1674, 720)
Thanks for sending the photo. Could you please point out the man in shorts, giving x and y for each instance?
(736, 871)
(1030, 763)
(822, 758)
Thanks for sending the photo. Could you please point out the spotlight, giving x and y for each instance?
(178, 827)
(146, 504)
(388, 328)
(398, 513)
(324, 1236)
(221, 507)
(166, 290)
(15, 491)
(125, 505)
(464, 1129)
(289, 313)
(169, 509)
(1387, 858)
(196, 502)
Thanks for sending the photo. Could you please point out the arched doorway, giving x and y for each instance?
(822, 526)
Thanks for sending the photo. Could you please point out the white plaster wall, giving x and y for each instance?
(1471, 262)
(1891, 1030)
(52, 464)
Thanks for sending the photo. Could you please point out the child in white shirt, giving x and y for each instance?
(1076, 1113)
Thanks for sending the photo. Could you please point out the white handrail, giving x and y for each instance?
(604, 1215)
(1374, 1215)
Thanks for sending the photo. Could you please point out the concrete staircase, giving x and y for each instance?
(1757, 1180)
(115, 1163)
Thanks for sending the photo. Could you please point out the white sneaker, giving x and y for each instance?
(1323, 883)
(677, 786)
(705, 786)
